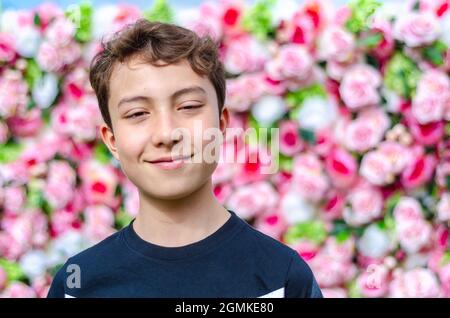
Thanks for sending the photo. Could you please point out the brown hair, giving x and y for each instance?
(155, 41)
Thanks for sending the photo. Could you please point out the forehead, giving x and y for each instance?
(137, 76)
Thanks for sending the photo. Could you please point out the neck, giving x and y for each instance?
(180, 222)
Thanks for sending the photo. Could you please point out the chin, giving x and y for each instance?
(173, 192)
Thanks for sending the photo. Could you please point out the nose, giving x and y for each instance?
(163, 132)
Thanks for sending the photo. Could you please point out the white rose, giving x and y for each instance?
(269, 109)
(316, 113)
(374, 242)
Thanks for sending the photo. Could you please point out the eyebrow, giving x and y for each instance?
(175, 95)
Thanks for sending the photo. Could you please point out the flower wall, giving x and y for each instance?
(361, 97)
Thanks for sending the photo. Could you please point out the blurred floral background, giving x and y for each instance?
(360, 92)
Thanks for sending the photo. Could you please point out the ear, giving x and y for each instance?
(224, 119)
(109, 140)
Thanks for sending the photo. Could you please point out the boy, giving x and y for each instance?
(151, 79)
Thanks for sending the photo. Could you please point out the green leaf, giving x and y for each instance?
(122, 219)
(391, 202)
(32, 72)
(296, 98)
(308, 136)
(10, 152)
(402, 75)
(81, 15)
(435, 53)
(313, 231)
(361, 10)
(102, 154)
(353, 290)
(370, 41)
(258, 19)
(36, 20)
(13, 270)
(447, 179)
(160, 11)
(286, 163)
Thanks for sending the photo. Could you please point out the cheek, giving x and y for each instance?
(129, 145)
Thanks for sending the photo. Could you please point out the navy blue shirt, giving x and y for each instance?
(236, 261)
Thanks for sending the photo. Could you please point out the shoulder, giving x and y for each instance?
(298, 277)
(101, 251)
(86, 263)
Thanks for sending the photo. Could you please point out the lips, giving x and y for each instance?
(170, 159)
(170, 163)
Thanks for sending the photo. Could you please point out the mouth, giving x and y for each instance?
(171, 163)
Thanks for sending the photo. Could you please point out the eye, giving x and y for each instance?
(188, 107)
(135, 115)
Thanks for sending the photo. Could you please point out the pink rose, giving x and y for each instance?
(27, 124)
(407, 209)
(443, 208)
(290, 142)
(60, 183)
(53, 58)
(225, 170)
(335, 43)
(325, 141)
(413, 232)
(254, 164)
(244, 90)
(7, 47)
(60, 32)
(271, 224)
(18, 290)
(340, 250)
(367, 130)
(427, 134)
(47, 12)
(253, 199)
(366, 205)
(444, 277)
(359, 86)
(99, 182)
(245, 54)
(63, 221)
(413, 235)
(374, 281)
(333, 206)
(222, 192)
(432, 96)
(48, 57)
(309, 179)
(209, 20)
(376, 169)
(14, 199)
(418, 171)
(415, 283)
(75, 85)
(330, 271)
(82, 119)
(342, 168)
(397, 155)
(99, 222)
(13, 93)
(293, 61)
(442, 173)
(416, 28)
(387, 44)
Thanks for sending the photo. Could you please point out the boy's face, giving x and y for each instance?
(146, 92)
